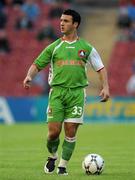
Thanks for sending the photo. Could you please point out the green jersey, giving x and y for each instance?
(68, 62)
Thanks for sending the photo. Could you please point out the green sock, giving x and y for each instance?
(68, 148)
(52, 145)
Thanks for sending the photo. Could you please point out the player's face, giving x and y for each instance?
(66, 24)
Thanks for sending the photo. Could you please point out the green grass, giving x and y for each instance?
(23, 152)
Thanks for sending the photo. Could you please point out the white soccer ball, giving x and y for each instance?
(93, 164)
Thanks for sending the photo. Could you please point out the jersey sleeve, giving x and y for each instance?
(44, 58)
(95, 60)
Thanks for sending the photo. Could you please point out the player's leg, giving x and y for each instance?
(68, 146)
(54, 129)
(55, 116)
(73, 117)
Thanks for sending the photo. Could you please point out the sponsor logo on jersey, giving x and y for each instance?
(70, 62)
(82, 53)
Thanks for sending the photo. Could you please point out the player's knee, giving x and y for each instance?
(70, 134)
(71, 130)
(53, 134)
(54, 130)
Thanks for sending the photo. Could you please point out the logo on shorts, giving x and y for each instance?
(82, 53)
(49, 112)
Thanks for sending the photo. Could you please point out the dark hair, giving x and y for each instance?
(75, 15)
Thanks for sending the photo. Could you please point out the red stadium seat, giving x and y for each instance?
(120, 67)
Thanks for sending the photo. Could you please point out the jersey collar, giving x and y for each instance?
(70, 42)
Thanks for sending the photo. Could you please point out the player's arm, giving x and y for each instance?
(104, 94)
(32, 72)
(40, 62)
(97, 64)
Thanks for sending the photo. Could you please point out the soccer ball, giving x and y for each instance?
(93, 164)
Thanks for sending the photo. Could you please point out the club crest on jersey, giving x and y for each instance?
(82, 53)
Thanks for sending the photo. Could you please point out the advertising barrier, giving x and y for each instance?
(33, 109)
(117, 109)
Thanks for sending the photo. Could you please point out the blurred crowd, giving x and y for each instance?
(126, 20)
(126, 25)
(26, 28)
(28, 13)
(130, 87)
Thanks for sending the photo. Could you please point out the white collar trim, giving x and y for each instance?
(70, 42)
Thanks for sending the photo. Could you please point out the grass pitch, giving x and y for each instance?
(23, 152)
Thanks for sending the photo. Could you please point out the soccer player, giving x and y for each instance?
(68, 57)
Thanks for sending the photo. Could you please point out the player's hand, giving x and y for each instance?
(27, 82)
(104, 94)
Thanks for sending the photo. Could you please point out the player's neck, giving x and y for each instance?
(70, 37)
